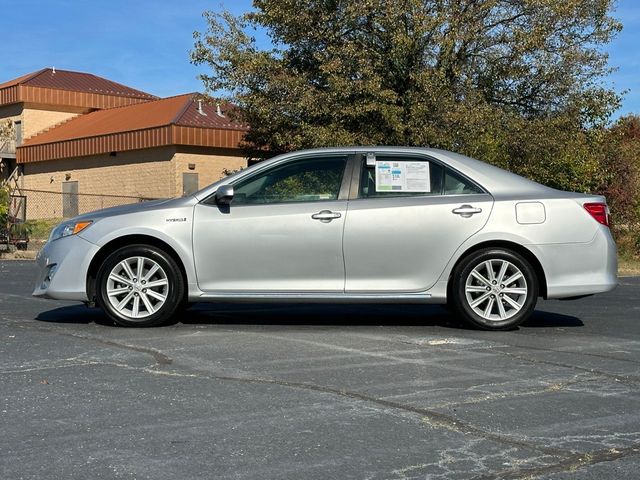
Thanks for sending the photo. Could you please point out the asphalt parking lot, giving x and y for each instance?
(318, 392)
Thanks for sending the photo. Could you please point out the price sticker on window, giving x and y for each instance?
(402, 176)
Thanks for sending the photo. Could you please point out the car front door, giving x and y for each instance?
(407, 218)
(282, 231)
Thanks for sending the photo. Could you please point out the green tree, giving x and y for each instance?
(513, 82)
(4, 206)
(622, 166)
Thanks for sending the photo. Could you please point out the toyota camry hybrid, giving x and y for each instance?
(365, 224)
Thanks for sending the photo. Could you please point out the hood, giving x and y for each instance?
(136, 207)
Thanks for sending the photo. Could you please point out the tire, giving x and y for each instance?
(149, 301)
(483, 300)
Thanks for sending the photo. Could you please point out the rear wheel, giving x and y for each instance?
(140, 285)
(494, 289)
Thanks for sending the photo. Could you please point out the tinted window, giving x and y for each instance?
(455, 184)
(443, 180)
(308, 180)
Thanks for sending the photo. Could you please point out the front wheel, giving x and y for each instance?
(494, 289)
(140, 285)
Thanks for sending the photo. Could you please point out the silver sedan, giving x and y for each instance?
(370, 224)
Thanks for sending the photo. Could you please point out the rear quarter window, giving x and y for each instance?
(456, 184)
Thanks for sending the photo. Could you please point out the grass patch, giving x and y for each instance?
(628, 244)
(628, 265)
(40, 229)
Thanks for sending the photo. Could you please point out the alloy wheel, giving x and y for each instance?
(137, 287)
(496, 289)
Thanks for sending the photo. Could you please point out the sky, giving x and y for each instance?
(145, 44)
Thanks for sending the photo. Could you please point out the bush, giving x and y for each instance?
(40, 229)
(4, 206)
(621, 184)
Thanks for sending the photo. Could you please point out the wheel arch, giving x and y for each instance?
(506, 244)
(126, 240)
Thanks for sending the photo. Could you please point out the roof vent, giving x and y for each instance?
(53, 70)
(200, 110)
(218, 111)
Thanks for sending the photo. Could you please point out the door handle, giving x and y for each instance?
(466, 211)
(325, 216)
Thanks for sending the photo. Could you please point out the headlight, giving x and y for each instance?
(66, 229)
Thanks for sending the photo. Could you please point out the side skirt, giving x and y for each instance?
(314, 297)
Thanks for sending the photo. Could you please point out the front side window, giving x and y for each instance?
(397, 176)
(307, 180)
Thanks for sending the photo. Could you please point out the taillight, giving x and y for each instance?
(599, 211)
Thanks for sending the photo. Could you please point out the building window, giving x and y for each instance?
(18, 128)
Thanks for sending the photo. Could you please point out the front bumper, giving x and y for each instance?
(62, 268)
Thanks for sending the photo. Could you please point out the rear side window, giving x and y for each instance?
(425, 178)
(401, 177)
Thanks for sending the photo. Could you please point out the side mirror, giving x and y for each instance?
(224, 194)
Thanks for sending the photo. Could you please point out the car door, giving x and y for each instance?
(282, 231)
(400, 230)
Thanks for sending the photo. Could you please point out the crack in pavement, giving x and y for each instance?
(447, 347)
(152, 369)
(631, 380)
(571, 463)
(569, 352)
(159, 357)
(430, 417)
(491, 396)
(568, 460)
(52, 367)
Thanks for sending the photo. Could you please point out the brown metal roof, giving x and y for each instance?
(69, 89)
(76, 82)
(19, 80)
(169, 121)
(191, 117)
(113, 120)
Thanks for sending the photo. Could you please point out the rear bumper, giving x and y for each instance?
(576, 269)
(62, 268)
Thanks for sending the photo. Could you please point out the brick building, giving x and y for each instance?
(79, 133)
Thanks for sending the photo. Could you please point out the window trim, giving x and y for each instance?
(354, 193)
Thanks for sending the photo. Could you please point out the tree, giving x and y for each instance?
(513, 82)
(7, 134)
(4, 206)
(622, 166)
(7, 131)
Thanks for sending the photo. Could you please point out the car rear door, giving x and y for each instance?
(282, 231)
(399, 239)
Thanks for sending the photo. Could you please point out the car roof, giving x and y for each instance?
(495, 180)
(498, 182)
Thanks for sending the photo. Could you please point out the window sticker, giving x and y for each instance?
(402, 176)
